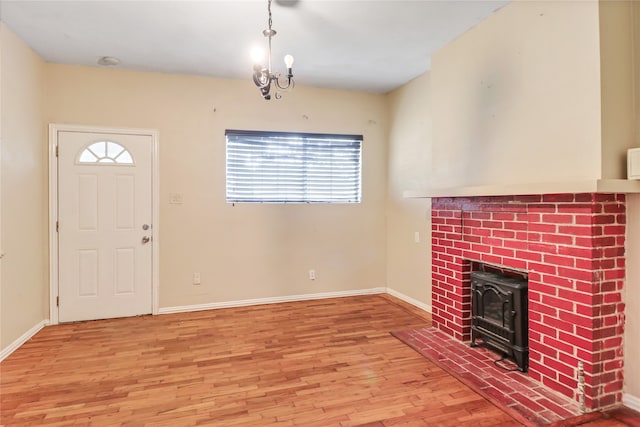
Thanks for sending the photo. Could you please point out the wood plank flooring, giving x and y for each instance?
(313, 363)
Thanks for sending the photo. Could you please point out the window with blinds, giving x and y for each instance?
(283, 167)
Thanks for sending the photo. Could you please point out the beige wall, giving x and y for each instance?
(617, 85)
(632, 285)
(250, 250)
(409, 154)
(2, 345)
(636, 67)
(24, 282)
(632, 299)
(518, 98)
(2, 30)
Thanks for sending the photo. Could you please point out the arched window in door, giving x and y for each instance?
(105, 152)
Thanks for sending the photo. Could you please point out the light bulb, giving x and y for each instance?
(256, 55)
(288, 60)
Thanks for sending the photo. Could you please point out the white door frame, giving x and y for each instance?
(54, 128)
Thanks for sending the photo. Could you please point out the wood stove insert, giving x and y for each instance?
(500, 315)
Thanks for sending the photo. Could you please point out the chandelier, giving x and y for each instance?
(262, 76)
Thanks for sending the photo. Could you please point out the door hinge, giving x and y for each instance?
(57, 301)
(57, 151)
(57, 226)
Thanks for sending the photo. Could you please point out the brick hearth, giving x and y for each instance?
(572, 247)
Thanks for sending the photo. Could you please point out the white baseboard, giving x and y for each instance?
(272, 300)
(408, 299)
(22, 339)
(630, 401)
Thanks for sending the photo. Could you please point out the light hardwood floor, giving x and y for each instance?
(313, 363)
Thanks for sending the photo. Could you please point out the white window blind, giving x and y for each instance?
(281, 167)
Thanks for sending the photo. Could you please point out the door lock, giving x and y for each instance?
(145, 227)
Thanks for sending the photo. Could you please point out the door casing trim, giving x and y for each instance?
(54, 129)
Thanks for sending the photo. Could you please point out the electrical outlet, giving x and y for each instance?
(312, 275)
(175, 198)
(196, 278)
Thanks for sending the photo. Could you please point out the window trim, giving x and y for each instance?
(293, 134)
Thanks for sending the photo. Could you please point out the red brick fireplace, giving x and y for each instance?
(572, 248)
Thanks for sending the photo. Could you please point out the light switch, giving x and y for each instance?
(416, 237)
(175, 198)
(633, 163)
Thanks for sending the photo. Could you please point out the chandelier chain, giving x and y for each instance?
(270, 20)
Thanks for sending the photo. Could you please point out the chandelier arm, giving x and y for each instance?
(288, 85)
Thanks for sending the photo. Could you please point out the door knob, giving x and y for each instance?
(146, 239)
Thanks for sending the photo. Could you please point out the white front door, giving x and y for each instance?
(104, 225)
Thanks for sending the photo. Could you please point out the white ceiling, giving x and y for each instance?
(365, 45)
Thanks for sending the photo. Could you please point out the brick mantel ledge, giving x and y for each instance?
(559, 187)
